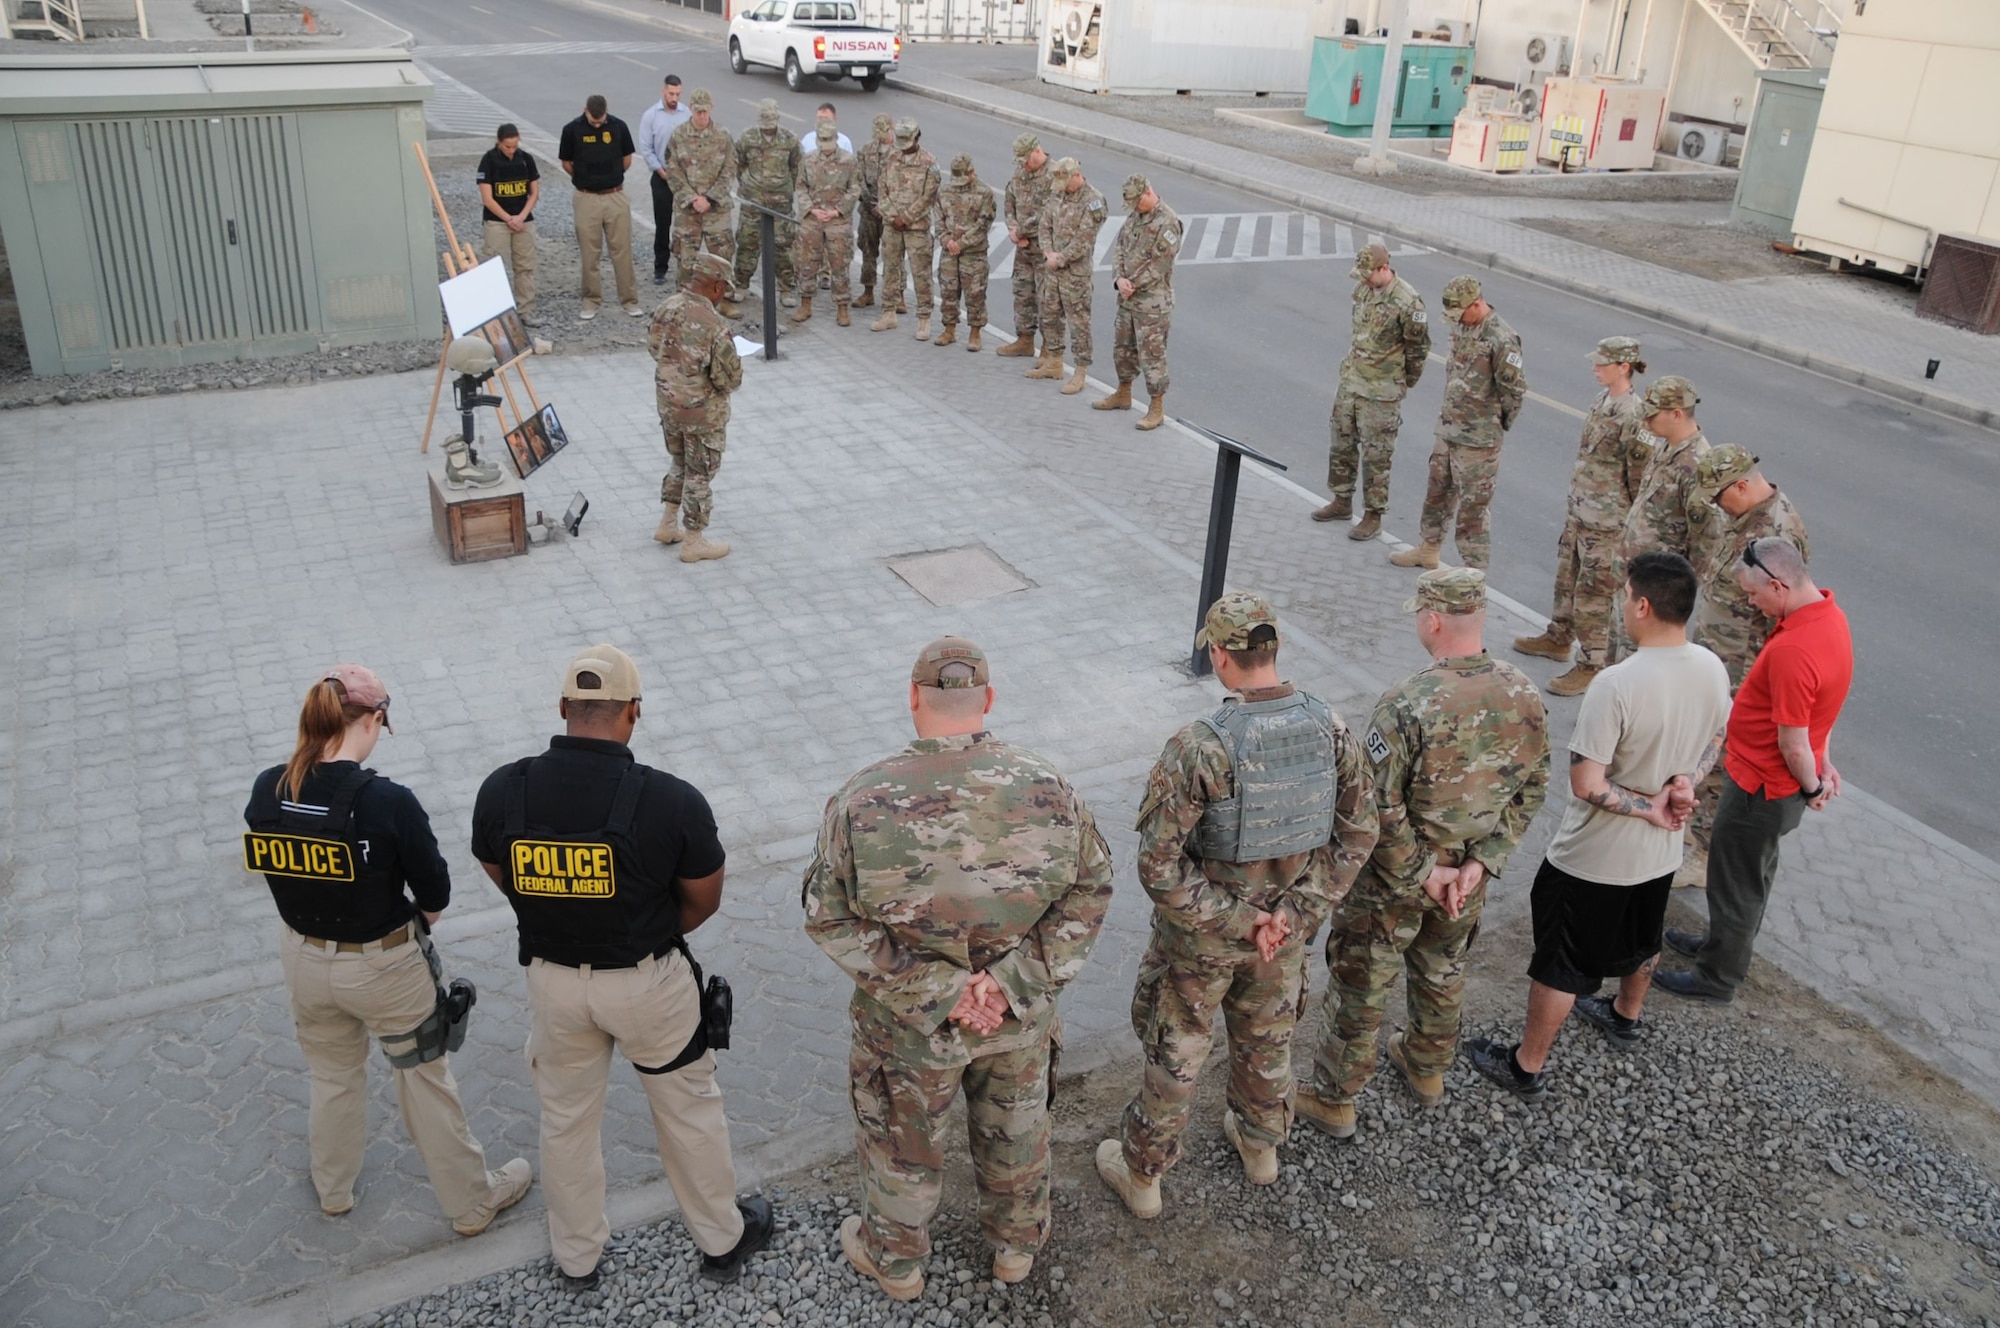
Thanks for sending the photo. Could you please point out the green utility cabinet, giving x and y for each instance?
(1777, 148)
(162, 210)
(1347, 72)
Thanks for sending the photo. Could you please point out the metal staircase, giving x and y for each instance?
(1779, 34)
(61, 19)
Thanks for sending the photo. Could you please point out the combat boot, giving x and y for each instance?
(1140, 1193)
(972, 340)
(923, 332)
(787, 300)
(1077, 381)
(1260, 1162)
(1427, 1088)
(1367, 528)
(1693, 873)
(867, 297)
(1011, 1266)
(1049, 366)
(1575, 682)
(698, 547)
(1324, 1113)
(885, 321)
(1119, 400)
(670, 531)
(1156, 413)
(1340, 509)
(1019, 348)
(461, 471)
(1423, 555)
(1547, 645)
(728, 308)
(805, 309)
(907, 1287)
(840, 317)
(947, 337)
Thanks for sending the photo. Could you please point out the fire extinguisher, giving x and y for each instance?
(1354, 93)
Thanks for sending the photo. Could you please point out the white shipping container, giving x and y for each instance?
(1167, 46)
(956, 20)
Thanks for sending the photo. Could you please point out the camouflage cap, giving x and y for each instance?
(1670, 393)
(828, 133)
(1371, 257)
(906, 130)
(601, 673)
(1459, 293)
(883, 125)
(1135, 185)
(715, 266)
(767, 113)
(1616, 350)
(1721, 467)
(700, 100)
(950, 661)
(1232, 618)
(1024, 144)
(1065, 167)
(961, 168)
(1449, 590)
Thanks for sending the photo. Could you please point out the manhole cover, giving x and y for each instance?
(958, 576)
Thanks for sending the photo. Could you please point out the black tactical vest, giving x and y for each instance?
(318, 868)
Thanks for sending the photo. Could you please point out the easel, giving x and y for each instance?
(459, 258)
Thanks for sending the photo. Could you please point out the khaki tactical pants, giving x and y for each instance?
(516, 249)
(649, 1013)
(605, 221)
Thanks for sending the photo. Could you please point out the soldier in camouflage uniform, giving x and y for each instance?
(1483, 389)
(696, 368)
(1254, 822)
(829, 191)
(1667, 512)
(961, 884)
(1143, 276)
(908, 195)
(1611, 462)
(1070, 222)
(965, 209)
(871, 157)
(1390, 342)
(1027, 196)
(1461, 766)
(767, 172)
(701, 171)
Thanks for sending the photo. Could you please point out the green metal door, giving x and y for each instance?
(1775, 155)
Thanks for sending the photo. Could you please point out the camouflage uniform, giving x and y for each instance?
(1483, 390)
(1391, 339)
(1667, 511)
(767, 172)
(870, 157)
(700, 163)
(1461, 766)
(965, 208)
(1611, 460)
(831, 179)
(1069, 227)
(1147, 245)
(909, 191)
(1026, 198)
(696, 368)
(1201, 957)
(959, 855)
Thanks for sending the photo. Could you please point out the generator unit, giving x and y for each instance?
(1431, 84)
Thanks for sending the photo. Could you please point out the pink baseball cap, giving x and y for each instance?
(360, 687)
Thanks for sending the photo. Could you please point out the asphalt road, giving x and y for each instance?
(1255, 346)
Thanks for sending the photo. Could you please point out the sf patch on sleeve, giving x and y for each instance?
(1378, 749)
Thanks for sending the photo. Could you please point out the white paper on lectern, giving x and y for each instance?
(471, 298)
(745, 347)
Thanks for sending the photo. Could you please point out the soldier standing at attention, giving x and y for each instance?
(829, 189)
(1390, 340)
(1483, 390)
(871, 157)
(961, 884)
(701, 172)
(343, 851)
(1144, 278)
(695, 369)
(1461, 753)
(595, 151)
(1667, 511)
(1027, 195)
(1069, 240)
(767, 173)
(1611, 463)
(965, 210)
(907, 195)
(1254, 822)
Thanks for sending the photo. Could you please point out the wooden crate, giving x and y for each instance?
(474, 525)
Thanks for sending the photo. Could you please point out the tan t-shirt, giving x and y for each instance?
(1647, 718)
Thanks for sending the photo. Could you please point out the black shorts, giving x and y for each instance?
(1586, 932)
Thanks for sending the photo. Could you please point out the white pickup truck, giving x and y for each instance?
(808, 37)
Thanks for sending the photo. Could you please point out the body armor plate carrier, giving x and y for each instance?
(1281, 753)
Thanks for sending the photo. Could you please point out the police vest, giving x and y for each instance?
(297, 847)
(585, 897)
(1281, 752)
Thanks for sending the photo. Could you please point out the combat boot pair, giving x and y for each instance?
(1140, 1193)
(1019, 348)
(1260, 1161)
(1048, 366)
(1155, 416)
(805, 309)
(462, 470)
(1423, 555)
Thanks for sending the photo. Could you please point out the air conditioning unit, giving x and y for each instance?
(1546, 53)
(1704, 143)
(1962, 287)
(1456, 32)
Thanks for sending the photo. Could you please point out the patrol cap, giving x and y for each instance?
(1460, 293)
(828, 135)
(1025, 144)
(767, 113)
(1371, 257)
(601, 673)
(1232, 618)
(1449, 590)
(950, 661)
(358, 686)
(1065, 167)
(1670, 393)
(883, 124)
(961, 168)
(1135, 185)
(906, 130)
(1616, 350)
(1719, 468)
(714, 265)
(699, 100)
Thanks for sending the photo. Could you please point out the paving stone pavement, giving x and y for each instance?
(178, 571)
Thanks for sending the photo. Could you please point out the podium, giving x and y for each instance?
(475, 525)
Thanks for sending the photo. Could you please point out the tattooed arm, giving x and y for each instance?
(1588, 780)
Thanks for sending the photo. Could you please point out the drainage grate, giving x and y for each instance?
(958, 576)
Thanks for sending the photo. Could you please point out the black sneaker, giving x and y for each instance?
(1685, 983)
(758, 1224)
(576, 1286)
(1603, 1012)
(1495, 1061)
(659, 278)
(1685, 942)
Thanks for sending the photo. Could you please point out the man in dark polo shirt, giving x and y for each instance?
(609, 864)
(596, 149)
(1776, 765)
(509, 188)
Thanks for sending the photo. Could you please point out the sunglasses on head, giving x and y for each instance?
(1750, 560)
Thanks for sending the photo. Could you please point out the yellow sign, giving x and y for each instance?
(563, 870)
(302, 856)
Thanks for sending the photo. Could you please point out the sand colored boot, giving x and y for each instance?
(1140, 1193)
(1118, 400)
(1011, 1266)
(907, 1287)
(1423, 555)
(1260, 1161)
(923, 332)
(1020, 347)
(698, 547)
(805, 309)
(1049, 366)
(1341, 508)
(972, 340)
(946, 337)
(1547, 645)
(1575, 682)
(867, 299)
(1078, 380)
(840, 315)
(670, 531)
(1367, 528)
(1428, 1089)
(885, 321)
(1155, 416)
(1324, 1113)
(461, 469)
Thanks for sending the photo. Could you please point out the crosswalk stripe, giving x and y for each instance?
(1254, 237)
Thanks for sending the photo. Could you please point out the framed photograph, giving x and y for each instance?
(507, 335)
(521, 447)
(552, 429)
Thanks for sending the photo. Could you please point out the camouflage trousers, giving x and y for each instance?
(696, 231)
(899, 1117)
(696, 454)
(914, 248)
(1374, 934)
(1183, 980)
(1066, 310)
(1586, 589)
(963, 276)
(1461, 479)
(1139, 346)
(1364, 445)
(868, 236)
(826, 246)
(1030, 275)
(750, 247)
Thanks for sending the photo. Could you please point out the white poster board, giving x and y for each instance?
(476, 297)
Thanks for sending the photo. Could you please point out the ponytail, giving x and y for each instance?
(1638, 367)
(324, 717)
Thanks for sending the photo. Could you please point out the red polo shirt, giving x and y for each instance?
(1799, 681)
